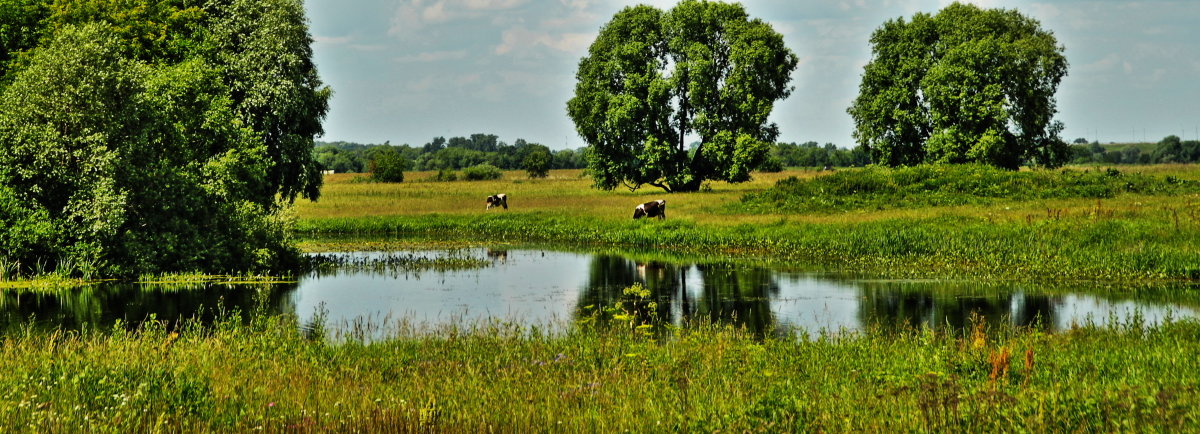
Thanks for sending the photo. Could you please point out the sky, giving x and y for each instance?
(405, 71)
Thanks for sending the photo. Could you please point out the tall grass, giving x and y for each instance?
(263, 375)
(952, 185)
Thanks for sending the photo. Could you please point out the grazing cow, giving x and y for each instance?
(657, 208)
(497, 200)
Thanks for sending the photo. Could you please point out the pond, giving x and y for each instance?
(551, 288)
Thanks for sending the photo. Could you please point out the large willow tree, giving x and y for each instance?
(141, 136)
(654, 79)
(965, 85)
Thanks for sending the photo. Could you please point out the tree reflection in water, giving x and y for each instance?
(101, 305)
(941, 304)
(720, 293)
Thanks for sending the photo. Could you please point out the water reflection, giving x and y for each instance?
(955, 305)
(102, 305)
(722, 293)
(551, 287)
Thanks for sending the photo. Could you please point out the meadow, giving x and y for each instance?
(1124, 234)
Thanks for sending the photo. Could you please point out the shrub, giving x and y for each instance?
(388, 166)
(482, 172)
(537, 163)
(445, 175)
(771, 165)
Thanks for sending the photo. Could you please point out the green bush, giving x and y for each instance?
(537, 162)
(771, 165)
(482, 172)
(445, 175)
(388, 166)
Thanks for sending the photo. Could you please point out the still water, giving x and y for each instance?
(549, 287)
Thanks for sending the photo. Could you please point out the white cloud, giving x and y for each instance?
(493, 4)
(413, 15)
(332, 40)
(368, 48)
(980, 3)
(523, 39)
(434, 56)
(406, 19)
(1104, 64)
(435, 13)
(1044, 11)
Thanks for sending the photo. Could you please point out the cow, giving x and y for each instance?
(497, 200)
(656, 208)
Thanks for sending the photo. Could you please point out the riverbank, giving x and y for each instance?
(240, 376)
(1128, 237)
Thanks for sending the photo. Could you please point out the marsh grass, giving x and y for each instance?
(391, 262)
(261, 374)
(953, 185)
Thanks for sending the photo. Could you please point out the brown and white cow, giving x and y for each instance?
(497, 200)
(657, 208)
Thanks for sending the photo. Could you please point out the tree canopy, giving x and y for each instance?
(141, 136)
(964, 85)
(652, 79)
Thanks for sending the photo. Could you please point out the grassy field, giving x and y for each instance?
(1128, 236)
(262, 375)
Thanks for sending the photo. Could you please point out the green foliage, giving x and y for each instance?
(651, 79)
(283, 100)
(537, 162)
(149, 136)
(482, 172)
(771, 165)
(964, 85)
(344, 157)
(949, 185)
(388, 166)
(445, 175)
(20, 30)
(812, 154)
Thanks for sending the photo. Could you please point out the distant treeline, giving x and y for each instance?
(461, 152)
(811, 154)
(442, 154)
(1169, 150)
(458, 153)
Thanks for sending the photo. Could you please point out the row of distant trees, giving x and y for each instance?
(812, 154)
(1170, 149)
(449, 154)
(459, 153)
